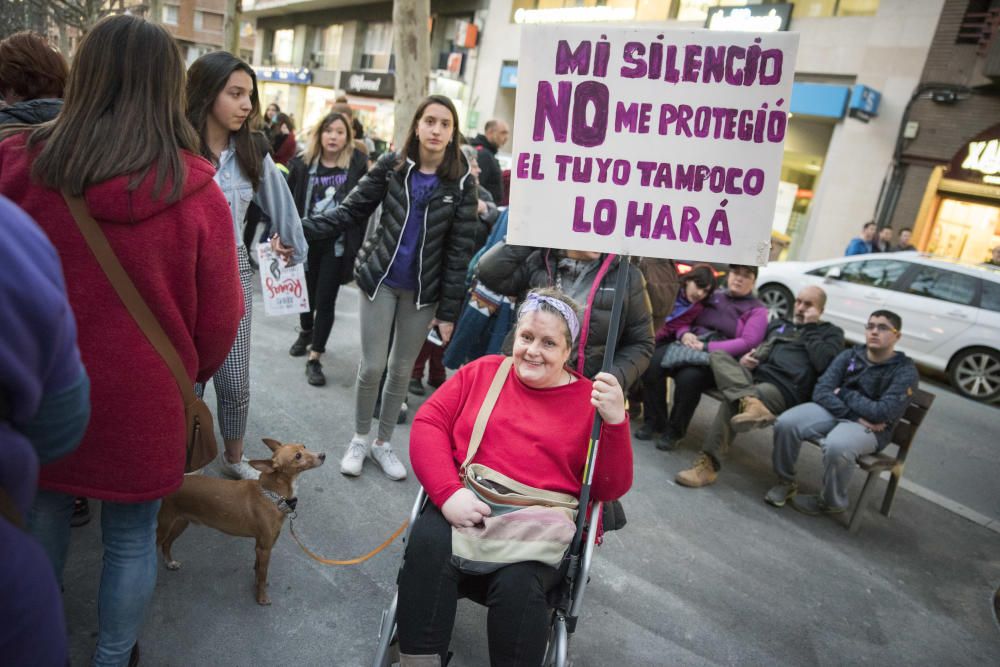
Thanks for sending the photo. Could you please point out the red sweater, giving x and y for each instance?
(537, 436)
(182, 259)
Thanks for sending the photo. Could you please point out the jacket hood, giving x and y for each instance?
(481, 140)
(861, 350)
(31, 112)
(112, 201)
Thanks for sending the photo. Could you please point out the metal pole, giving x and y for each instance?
(595, 432)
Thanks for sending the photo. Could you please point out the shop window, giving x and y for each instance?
(990, 298)
(170, 14)
(282, 47)
(944, 286)
(207, 21)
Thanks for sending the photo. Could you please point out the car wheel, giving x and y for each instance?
(778, 301)
(975, 374)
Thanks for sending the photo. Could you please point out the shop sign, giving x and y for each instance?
(752, 18)
(979, 160)
(284, 74)
(369, 84)
(864, 103)
(650, 142)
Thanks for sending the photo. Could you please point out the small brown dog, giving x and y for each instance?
(245, 508)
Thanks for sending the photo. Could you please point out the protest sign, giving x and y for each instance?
(283, 287)
(648, 142)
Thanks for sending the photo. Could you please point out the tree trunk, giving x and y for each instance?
(412, 48)
(231, 28)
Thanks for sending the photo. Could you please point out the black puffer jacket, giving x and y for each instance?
(31, 112)
(447, 242)
(512, 270)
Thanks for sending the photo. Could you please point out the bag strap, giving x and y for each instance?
(129, 295)
(485, 409)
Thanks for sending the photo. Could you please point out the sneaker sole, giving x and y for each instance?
(316, 383)
(351, 473)
(775, 503)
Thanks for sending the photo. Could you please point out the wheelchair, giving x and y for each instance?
(565, 600)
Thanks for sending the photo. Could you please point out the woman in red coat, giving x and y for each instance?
(123, 143)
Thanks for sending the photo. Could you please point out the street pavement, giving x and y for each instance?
(708, 576)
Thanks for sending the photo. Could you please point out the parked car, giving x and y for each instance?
(950, 310)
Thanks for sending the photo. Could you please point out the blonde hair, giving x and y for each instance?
(314, 150)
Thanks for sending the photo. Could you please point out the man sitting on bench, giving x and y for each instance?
(767, 380)
(856, 404)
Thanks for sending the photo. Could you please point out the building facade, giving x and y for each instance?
(949, 191)
(197, 26)
(309, 53)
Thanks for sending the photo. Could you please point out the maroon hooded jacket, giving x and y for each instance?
(182, 259)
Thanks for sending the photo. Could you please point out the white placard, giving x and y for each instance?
(283, 287)
(658, 143)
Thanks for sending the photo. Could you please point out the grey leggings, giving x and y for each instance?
(377, 316)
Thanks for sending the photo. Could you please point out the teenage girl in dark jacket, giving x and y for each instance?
(412, 266)
(319, 181)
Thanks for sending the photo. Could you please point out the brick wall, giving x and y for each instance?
(945, 128)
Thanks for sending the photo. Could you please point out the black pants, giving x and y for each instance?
(429, 588)
(689, 384)
(323, 284)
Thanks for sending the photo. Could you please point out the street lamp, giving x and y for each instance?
(892, 184)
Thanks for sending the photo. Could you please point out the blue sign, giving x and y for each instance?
(864, 102)
(819, 99)
(284, 74)
(508, 76)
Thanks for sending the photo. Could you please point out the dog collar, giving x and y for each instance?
(286, 505)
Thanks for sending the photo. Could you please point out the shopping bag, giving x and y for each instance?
(283, 286)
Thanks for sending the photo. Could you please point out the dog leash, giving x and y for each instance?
(352, 561)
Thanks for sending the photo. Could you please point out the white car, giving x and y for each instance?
(950, 310)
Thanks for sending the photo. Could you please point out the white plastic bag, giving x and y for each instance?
(283, 287)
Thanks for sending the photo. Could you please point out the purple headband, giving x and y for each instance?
(534, 301)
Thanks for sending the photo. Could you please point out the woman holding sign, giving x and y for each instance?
(222, 107)
(412, 266)
(320, 180)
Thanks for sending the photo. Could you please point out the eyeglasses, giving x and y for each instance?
(881, 328)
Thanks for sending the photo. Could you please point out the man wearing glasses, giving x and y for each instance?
(856, 404)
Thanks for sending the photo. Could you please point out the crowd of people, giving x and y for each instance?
(89, 409)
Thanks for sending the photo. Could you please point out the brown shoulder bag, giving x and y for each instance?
(201, 445)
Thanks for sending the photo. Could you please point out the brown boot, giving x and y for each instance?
(753, 414)
(702, 473)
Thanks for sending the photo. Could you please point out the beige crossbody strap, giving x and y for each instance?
(485, 409)
(129, 295)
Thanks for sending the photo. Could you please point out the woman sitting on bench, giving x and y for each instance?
(537, 434)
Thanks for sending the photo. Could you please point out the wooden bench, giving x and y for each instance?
(875, 464)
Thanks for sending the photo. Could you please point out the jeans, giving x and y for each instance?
(430, 585)
(842, 442)
(128, 575)
(323, 273)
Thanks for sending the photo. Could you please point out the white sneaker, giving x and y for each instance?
(240, 470)
(386, 458)
(354, 458)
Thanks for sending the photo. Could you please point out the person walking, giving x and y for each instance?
(222, 104)
(411, 268)
(320, 180)
(123, 145)
(863, 244)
